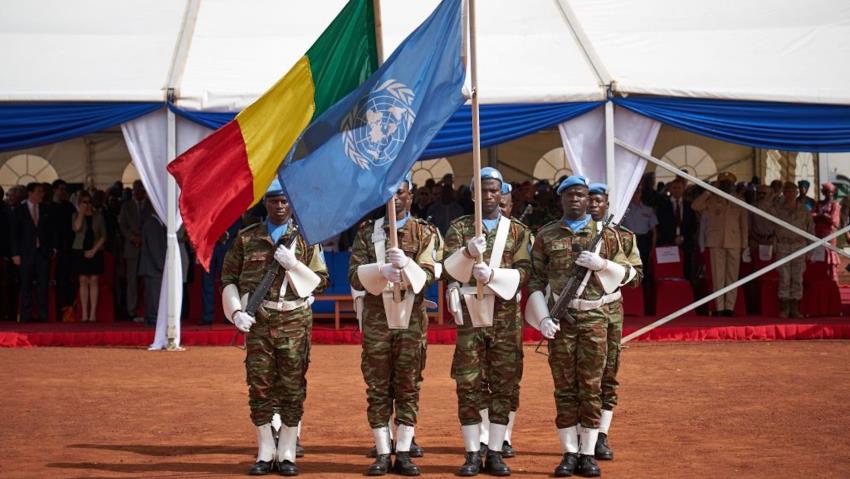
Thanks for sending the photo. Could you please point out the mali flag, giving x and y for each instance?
(229, 171)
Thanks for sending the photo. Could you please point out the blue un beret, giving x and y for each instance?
(574, 180)
(598, 189)
(507, 188)
(275, 189)
(489, 173)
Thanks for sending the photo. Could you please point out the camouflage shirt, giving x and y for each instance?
(516, 253)
(418, 240)
(553, 256)
(245, 262)
(798, 216)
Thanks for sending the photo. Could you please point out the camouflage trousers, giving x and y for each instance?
(485, 387)
(577, 358)
(487, 359)
(278, 351)
(392, 361)
(790, 273)
(612, 362)
(280, 385)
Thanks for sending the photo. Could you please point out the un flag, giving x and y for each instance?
(354, 156)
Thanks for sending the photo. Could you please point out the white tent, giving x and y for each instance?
(219, 55)
(748, 49)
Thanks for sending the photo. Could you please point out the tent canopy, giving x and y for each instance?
(123, 51)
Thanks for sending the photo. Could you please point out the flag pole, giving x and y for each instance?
(391, 216)
(476, 132)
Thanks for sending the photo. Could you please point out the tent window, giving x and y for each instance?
(130, 175)
(689, 158)
(552, 165)
(428, 169)
(791, 166)
(26, 168)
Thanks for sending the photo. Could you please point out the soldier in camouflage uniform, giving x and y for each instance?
(577, 354)
(506, 205)
(791, 273)
(489, 341)
(393, 332)
(598, 209)
(278, 338)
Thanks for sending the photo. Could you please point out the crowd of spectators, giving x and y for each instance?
(55, 237)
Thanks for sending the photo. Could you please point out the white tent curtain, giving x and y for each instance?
(146, 139)
(584, 144)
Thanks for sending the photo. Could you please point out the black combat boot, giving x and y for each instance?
(261, 468)
(381, 465)
(587, 466)
(568, 465)
(494, 465)
(472, 465)
(404, 466)
(507, 450)
(603, 451)
(286, 468)
(415, 449)
(483, 448)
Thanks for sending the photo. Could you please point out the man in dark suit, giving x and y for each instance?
(134, 214)
(61, 213)
(152, 263)
(32, 246)
(8, 273)
(677, 224)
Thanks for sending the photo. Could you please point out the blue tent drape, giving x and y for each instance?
(24, 125)
(499, 124)
(781, 126)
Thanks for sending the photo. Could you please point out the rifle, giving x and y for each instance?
(272, 271)
(525, 212)
(575, 278)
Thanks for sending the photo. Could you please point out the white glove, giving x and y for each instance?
(285, 257)
(745, 256)
(453, 300)
(476, 247)
(591, 261)
(243, 321)
(548, 328)
(481, 272)
(391, 273)
(397, 257)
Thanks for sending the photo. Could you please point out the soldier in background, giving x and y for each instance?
(393, 331)
(489, 332)
(598, 209)
(726, 233)
(577, 354)
(278, 337)
(791, 273)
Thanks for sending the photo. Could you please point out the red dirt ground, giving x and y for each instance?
(687, 410)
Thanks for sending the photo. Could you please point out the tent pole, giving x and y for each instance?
(805, 234)
(610, 176)
(736, 284)
(173, 273)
